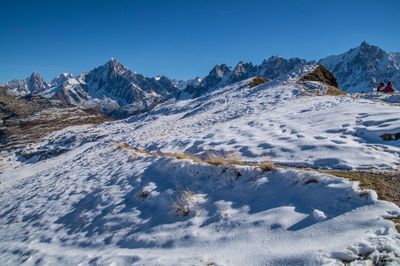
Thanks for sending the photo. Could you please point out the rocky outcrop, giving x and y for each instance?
(321, 74)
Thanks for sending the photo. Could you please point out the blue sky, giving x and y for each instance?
(183, 39)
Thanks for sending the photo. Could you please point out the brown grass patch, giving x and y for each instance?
(334, 91)
(257, 81)
(121, 145)
(224, 159)
(183, 201)
(267, 166)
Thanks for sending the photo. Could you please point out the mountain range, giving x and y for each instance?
(116, 91)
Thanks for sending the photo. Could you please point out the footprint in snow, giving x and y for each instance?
(338, 142)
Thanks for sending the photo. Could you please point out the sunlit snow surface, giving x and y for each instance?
(94, 203)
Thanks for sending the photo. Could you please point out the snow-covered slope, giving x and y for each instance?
(362, 68)
(34, 84)
(103, 200)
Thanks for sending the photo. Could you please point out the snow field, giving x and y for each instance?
(95, 204)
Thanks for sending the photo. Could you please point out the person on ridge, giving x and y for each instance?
(389, 87)
(380, 86)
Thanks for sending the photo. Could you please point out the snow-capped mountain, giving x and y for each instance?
(63, 77)
(34, 84)
(222, 75)
(362, 68)
(113, 89)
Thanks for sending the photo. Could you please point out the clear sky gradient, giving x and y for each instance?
(183, 39)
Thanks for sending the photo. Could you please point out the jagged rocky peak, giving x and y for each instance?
(36, 83)
(242, 70)
(275, 66)
(220, 70)
(215, 76)
(111, 70)
(115, 67)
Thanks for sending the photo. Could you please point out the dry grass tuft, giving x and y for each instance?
(334, 91)
(224, 159)
(183, 156)
(267, 166)
(121, 145)
(183, 201)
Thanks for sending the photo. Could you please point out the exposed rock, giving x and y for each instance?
(321, 74)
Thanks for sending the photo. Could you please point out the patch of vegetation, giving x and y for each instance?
(257, 81)
(267, 166)
(334, 91)
(182, 203)
(224, 159)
